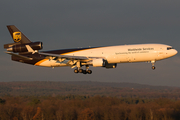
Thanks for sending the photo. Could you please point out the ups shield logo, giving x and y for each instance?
(17, 36)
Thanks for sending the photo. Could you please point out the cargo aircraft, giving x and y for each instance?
(25, 51)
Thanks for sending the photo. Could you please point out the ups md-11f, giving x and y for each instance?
(25, 51)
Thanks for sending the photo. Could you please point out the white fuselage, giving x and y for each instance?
(121, 54)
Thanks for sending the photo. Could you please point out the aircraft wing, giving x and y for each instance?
(68, 56)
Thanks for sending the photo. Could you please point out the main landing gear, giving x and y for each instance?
(83, 71)
(79, 70)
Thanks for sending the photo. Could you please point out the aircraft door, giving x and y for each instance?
(160, 53)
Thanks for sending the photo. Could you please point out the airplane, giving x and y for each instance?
(25, 51)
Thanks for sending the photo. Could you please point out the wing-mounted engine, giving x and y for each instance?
(17, 48)
(97, 62)
(101, 63)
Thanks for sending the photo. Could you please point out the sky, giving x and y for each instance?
(63, 24)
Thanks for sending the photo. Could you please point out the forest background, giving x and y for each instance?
(86, 100)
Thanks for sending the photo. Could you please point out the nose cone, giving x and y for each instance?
(175, 52)
(171, 53)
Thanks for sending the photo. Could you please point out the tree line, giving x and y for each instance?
(44, 100)
(125, 90)
(72, 107)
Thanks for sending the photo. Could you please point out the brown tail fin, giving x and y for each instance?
(17, 35)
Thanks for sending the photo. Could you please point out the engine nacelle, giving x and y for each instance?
(110, 65)
(22, 47)
(101, 63)
(98, 62)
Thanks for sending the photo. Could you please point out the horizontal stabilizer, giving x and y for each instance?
(24, 57)
(10, 45)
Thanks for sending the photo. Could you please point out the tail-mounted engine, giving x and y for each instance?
(22, 47)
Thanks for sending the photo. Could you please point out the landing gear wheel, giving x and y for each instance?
(89, 71)
(153, 67)
(84, 72)
(80, 70)
(76, 71)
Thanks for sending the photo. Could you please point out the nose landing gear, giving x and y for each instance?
(153, 66)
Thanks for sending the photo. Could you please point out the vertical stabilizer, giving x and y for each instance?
(17, 35)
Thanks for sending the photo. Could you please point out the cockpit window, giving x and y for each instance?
(169, 48)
